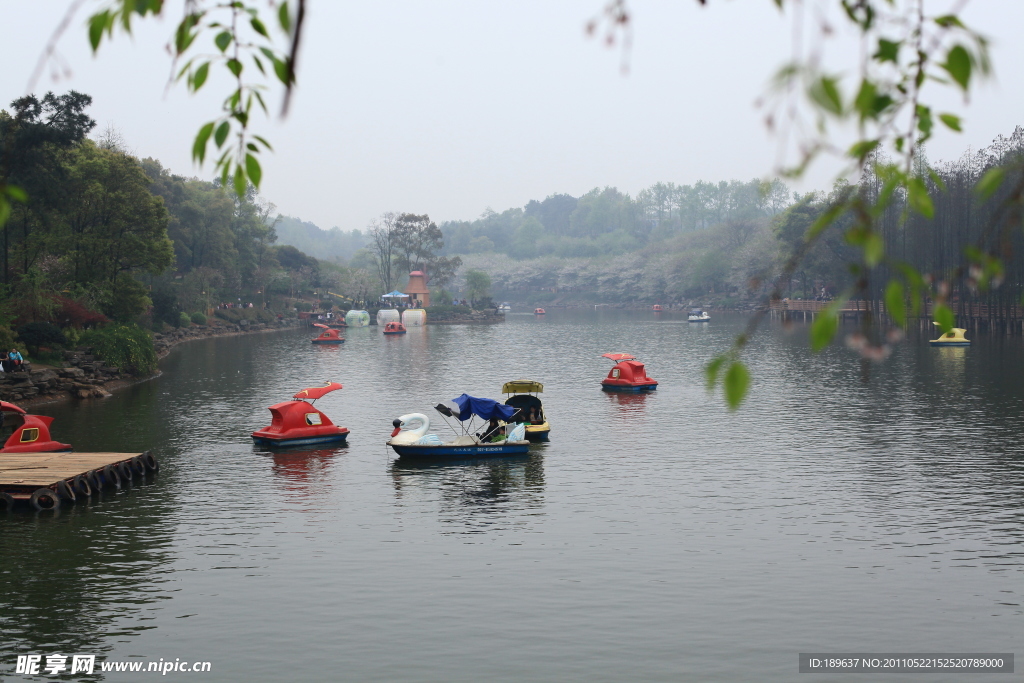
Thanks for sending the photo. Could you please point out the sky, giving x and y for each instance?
(453, 107)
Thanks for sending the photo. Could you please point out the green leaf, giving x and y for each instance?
(252, 166)
(222, 40)
(240, 184)
(874, 249)
(863, 148)
(284, 18)
(944, 317)
(951, 121)
(281, 69)
(712, 369)
(825, 219)
(895, 302)
(924, 120)
(222, 134)
(258, 26)
(990, 182)
(949, 21)
(199, 77)
(823, 329)
(865, 100)
(888, 51)
(16, 193)
(825, 92)
(234, 66)
(263, 142)
(958, 65)
(97, 24)
(737, 382)
(920, 201)
(199, 147)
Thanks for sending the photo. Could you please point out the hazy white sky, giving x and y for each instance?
(453, 106)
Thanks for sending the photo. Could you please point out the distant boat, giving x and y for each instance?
(698, 316)
(656, 308)
(955, 337)
(505, 307)
(329, 335)
(539, 311)
(394, 328)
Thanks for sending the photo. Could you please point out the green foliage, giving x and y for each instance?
(446, 312)
(127, 347)
(6, 338)
(37, 334)
(236, 315)
(478, 285)
(184, 319)
(199, 318)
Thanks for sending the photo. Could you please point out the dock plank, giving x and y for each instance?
(46, 469)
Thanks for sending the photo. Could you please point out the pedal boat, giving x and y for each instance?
(328, 335)
(539, 311)
(28, 433)
(394, 328)
(628, 374)
(698, 316)
(411, 440)
(656, 308)
(298, 423)
(524, 397)
(955, 337)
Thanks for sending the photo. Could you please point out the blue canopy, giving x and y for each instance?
(394, 294)
(482, 407)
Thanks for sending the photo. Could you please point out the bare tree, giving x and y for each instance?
(383, 245)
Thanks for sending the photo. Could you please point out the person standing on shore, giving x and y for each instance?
(5, 362)
(15, 360)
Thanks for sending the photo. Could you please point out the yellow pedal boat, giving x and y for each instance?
(955, 337)
(524, 396)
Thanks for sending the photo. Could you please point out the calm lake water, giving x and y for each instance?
(655, 538)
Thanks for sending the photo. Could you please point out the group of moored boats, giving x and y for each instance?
(480, 426)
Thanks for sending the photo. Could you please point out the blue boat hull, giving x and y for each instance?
(632, 390)
(942, 343)
(309, 441)
(481, 451)
(328, 341)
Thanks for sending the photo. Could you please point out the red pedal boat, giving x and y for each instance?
(28, 433)
(298, 423)
(394, 328)
(627, 375)
(328, 335)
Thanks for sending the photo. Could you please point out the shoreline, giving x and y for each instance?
(84, 377)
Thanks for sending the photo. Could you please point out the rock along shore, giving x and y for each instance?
(84, 376)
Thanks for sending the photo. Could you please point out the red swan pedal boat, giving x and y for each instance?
(298, 423)
(28, 433)
(628, 374)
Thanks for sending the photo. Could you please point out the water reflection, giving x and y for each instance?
(302, 468)
(75, 580)
(633, 402)
(477, 493)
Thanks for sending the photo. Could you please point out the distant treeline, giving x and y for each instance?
(607, 221)
(739, 254)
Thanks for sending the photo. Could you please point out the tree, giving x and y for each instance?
(383, 246)
(416, 243)
(478, 285)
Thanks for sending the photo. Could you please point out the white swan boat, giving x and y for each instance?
(698, 315)
(501, 433)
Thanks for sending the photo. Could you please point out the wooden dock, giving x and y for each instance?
(44, 480)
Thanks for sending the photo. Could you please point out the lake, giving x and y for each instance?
(656, 537)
